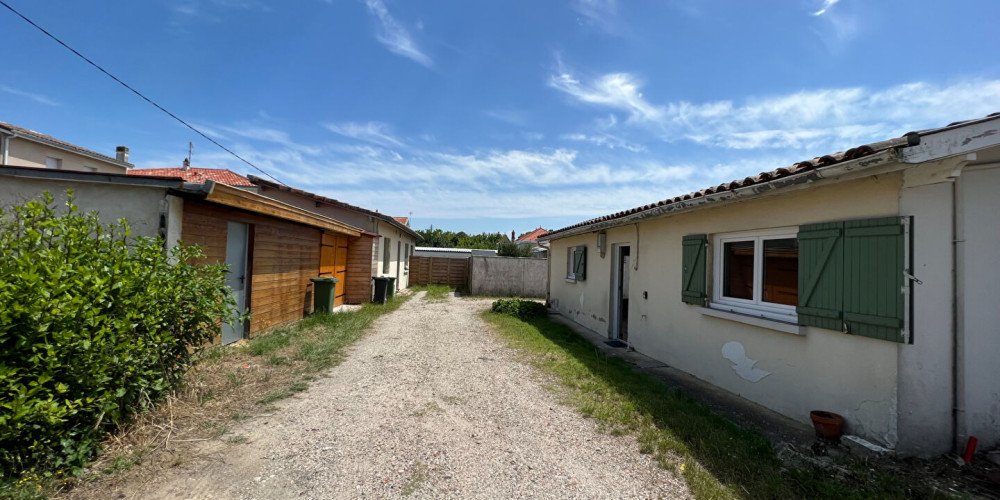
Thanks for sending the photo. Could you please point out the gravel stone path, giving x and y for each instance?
(427, 405)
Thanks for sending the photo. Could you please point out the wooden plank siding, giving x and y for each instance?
(439, 271)
(333, 263)
(284, 255)
(362, 258)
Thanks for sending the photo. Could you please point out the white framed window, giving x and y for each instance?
(53, 163)
(756, 273)
(576, 263)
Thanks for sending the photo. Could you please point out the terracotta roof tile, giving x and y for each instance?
(197, 175)
(534, 235)
(797, 168)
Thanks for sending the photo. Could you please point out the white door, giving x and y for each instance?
(236, 259)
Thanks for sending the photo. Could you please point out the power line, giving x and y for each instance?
(136, 92)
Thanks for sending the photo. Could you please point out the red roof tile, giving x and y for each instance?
(403, 220)
(197, 175)
(798, 168)
(534, 235)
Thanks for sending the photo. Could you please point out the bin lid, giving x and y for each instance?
(380, 278)
(324, 279)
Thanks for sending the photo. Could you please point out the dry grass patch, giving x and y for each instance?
(228, 385)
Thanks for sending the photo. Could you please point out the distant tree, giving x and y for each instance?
(461, 239)
(511, 249)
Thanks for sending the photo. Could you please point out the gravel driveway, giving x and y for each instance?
(428, 404)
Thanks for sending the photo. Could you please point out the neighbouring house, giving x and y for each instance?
(391, 249)
(535, 240)
(272, 248)
(198, 175)
(26, 148)
(863, 283)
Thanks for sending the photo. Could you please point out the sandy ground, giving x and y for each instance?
(428, 404)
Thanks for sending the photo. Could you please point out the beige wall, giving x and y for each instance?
(142, 206)
(394, 236)
(25, 153)
(817, 370)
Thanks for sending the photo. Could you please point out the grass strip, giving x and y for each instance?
(718, 459)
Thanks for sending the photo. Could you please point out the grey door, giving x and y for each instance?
(236, 259)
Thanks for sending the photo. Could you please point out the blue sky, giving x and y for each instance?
(503, 115)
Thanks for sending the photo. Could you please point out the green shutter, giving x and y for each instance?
(694, 287)
(580, 263)
(873, 278)
(821, 275)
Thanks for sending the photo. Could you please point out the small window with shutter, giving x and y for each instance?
(576, 263)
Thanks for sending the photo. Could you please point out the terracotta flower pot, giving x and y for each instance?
(828, 425)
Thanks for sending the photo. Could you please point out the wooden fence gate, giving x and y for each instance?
(439, 271)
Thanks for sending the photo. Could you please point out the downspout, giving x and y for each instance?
(959, 429)
(6, 149)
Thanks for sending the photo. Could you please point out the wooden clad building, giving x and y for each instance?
(273, 249)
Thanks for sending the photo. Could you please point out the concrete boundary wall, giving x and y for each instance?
(508, 276)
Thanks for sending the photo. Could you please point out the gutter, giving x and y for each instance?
(867, 165)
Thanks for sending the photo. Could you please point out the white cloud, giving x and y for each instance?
(605, 140)
(615, 90)
(827, 4)
(441, 182)
(820, 118)
(602, 14)
(510, 116)
(39, 98)
(374, 132)
(394, 36)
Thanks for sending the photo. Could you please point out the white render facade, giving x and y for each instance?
(896, 390)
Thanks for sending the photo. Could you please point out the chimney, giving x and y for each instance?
(121, 154)
(186, 165)
(512, 238)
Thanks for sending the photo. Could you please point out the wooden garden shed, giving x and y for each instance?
(273, 249)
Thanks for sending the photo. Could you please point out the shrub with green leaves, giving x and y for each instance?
(519, 308)
(512, 249)
(95, 326)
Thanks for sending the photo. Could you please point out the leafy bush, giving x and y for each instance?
(511, 249)
(520, 308)
(95, 326)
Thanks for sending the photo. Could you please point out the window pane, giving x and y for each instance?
(738, 277)
(781, 271)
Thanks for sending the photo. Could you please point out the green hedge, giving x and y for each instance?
(95, 326)
(520, 308)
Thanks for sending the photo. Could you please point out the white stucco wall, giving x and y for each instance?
(979, 246)
(925, 367)
(25, 153)
(818, 370)
(140, 205)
